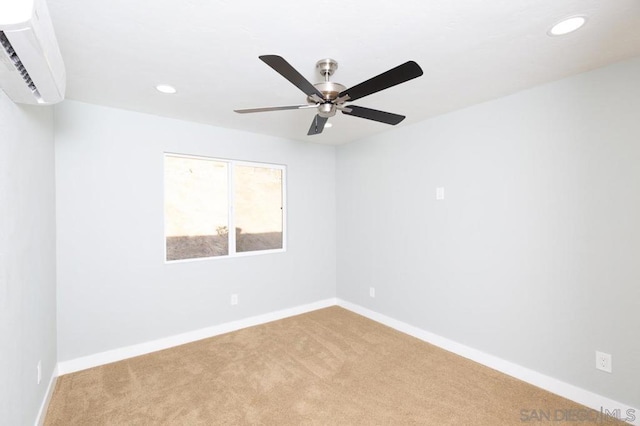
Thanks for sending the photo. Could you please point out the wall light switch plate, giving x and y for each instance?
(440, 193)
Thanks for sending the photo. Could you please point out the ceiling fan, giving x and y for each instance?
(329, 97)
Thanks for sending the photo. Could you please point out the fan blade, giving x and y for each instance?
(280, 108)
(373, 114)
(317, 125)
(287, 71)
(400, 74)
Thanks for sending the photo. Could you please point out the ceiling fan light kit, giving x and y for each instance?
(328, 97)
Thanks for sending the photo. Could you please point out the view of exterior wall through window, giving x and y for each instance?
(206, 197)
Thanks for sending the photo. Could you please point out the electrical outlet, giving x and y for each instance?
(372, 292)
(39, 368)
(234, 299)
(603, 361)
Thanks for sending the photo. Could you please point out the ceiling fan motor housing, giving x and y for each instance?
(329, 89)
(330, 92)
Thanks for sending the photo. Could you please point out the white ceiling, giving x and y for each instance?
(470, 50)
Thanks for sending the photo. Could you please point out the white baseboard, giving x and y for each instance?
(47, 397)
(107, 357)
(558, 387)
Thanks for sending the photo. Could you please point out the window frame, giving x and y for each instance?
(231, 163)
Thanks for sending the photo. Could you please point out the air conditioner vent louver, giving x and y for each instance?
(15, 59)
(31, 66)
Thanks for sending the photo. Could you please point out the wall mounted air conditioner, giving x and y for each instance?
(31, 66)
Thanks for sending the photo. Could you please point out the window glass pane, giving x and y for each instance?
(196, 206)
(258, 208)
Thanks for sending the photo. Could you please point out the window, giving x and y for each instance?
(206, 197)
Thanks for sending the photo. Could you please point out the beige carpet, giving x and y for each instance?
(327, 367)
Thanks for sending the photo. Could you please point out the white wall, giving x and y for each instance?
(534, 255)
(114, 288)
(27, 259)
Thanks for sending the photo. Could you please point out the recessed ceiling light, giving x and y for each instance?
(328, 125)
(165, 88)
(567, 25)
